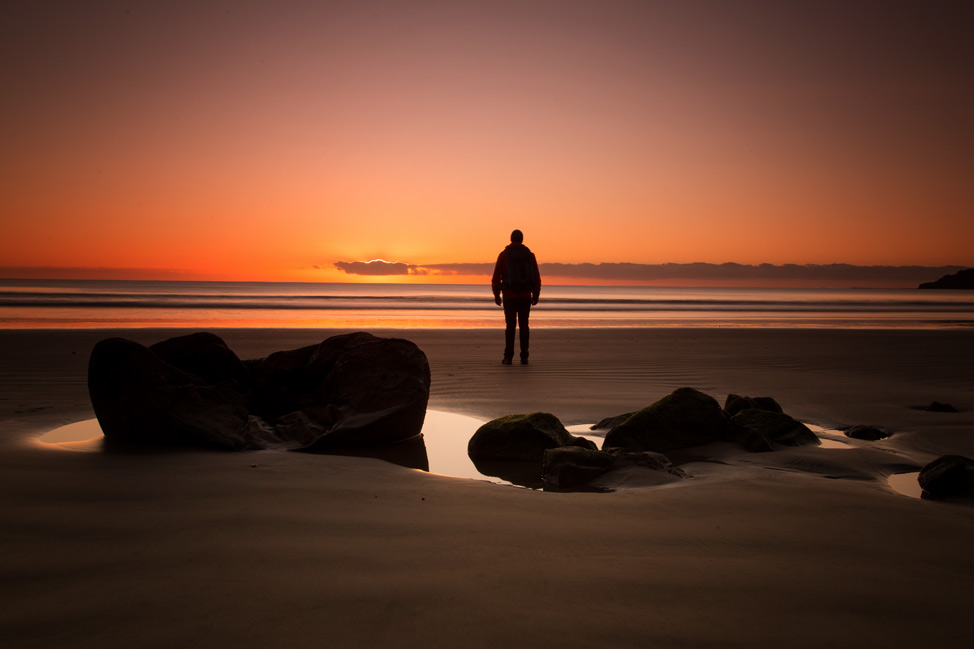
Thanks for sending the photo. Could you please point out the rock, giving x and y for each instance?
(522, 438)
(299, 428)
(570, 468)
(936, 406)
(611, 422)
(365, 391)
(735, 403)
(759, 430)
(204, 355)
(949, 476)
(348, 391)
(963, 280)
(137, 396)
(870, 433)
(259, 434)
(684, 418)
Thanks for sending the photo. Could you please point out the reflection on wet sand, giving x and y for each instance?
(410, 453)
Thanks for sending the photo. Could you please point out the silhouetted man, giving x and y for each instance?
(516, 275)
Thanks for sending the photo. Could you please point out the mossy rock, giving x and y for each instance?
(684, 418)
(522, 438)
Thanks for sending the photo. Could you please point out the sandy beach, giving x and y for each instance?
(802, 548)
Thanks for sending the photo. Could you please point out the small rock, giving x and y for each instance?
(570, 467)
(949, 476)
(869, 433)
(574, 469)
(936, 406)
(611, 422)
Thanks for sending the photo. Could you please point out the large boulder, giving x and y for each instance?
(684, 418)
(948, 477)
(365, 390)
(204, 355)
(573, 468)
(354, 390)
(522, 438)
(137, 396)
(759, 430)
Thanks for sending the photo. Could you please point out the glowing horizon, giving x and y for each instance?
(701, 275)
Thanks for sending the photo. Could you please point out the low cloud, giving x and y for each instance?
(374, 267)
(380, 267)
(458, 269)
(746, 272)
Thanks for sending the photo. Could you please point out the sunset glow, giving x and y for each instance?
(269, 141)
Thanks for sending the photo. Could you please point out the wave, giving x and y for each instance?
(427, 302)
(148, 302)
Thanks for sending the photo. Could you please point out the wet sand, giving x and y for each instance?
(799, 548)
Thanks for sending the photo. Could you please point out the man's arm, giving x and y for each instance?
(536, 292)
(497, 280)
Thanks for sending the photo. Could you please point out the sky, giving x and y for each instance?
(255, 140)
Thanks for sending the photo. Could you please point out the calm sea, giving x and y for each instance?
(30, 304)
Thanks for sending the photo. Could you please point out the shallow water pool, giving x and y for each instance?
(442, 450)
(445, 436)
(906, 484)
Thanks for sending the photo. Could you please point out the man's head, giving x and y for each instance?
(517, 237)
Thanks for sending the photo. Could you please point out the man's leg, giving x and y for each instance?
(510, 318)
(523, 313)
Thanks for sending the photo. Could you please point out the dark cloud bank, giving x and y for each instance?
(730, 272)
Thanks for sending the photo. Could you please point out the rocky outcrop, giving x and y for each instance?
(948, 477)
(522, 438)
(963, 280)
(684, 418)
(758, 430)
(572, 468)
(350, 390)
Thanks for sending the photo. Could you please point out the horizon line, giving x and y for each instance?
(694, 273)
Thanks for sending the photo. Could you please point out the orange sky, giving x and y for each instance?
(268, 140)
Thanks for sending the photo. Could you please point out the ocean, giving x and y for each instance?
(102, 304)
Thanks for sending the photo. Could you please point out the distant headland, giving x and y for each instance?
(963, 279)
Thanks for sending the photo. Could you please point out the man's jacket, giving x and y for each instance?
(501, 282)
